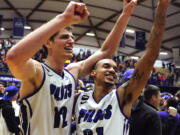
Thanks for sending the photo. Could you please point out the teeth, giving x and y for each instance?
(111, 75)
(68, 48)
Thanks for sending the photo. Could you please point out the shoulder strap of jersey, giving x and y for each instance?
(76, 96)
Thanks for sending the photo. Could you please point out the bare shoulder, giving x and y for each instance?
(32, 82)
(74, 69)
(122, 91)
(125, 98)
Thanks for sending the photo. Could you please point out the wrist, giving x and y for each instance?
(63, 20)
(125, 14)
(163, 5)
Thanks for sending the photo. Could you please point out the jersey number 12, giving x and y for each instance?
(62, 111)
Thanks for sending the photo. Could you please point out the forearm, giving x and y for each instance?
(30, 44)
(145, 64)
(109, 46)
(157, 32)
(111, 43)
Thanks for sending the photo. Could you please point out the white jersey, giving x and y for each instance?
(103, 118)
(48, 110)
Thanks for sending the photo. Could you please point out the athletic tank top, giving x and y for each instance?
(48, 110)
(103, 118)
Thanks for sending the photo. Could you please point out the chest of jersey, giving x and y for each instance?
(48, 111)
(101, 118)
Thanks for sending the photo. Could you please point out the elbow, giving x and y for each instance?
(11, 57)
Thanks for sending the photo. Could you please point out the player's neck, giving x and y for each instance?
(100, 91)
(56, 66)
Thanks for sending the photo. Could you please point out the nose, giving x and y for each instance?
(112, 70)
(71, 40)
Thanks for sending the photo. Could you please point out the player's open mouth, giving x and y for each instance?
(68, 48)
(110, 76)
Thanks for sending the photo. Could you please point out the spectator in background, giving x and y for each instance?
(162, 77)
(8, 113)
(152, 96)
(1, 90)
(177, 97)
(127, 75)
(171, 79)
(144, 117)
(177, 75)
(170, 118)
(1, 45)
(164, 97)
(1, 66)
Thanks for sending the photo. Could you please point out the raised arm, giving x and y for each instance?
(130, 91)
(19, 56)
(110, 44)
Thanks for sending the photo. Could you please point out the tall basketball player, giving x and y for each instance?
(47, 89)
(106, 111)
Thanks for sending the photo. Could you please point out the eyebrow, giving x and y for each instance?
(107, 64)
(72, 36)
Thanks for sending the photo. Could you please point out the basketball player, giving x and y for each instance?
(47, 90)
(105, 111)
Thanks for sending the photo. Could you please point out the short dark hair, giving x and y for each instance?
(45, 51)
(95, 65)
(172, 102)
(149, 91)
(69, 28)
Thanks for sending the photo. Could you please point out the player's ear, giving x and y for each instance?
(48, 44)
(93, 73)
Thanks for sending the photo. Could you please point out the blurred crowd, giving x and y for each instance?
(166, 75)
(166, 107)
